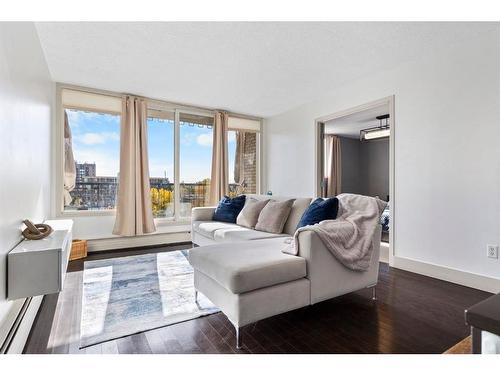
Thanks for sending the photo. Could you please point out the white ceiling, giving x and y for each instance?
(254, 68)
(349, 126)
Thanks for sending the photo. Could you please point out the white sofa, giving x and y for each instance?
(205, 231)
(245, 273)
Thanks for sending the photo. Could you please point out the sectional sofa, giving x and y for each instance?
(245, 273)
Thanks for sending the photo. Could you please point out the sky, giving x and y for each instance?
(96, 138)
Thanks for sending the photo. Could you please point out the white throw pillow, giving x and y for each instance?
(249, 215)
(273, 216)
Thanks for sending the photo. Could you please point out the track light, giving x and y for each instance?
(382, 131)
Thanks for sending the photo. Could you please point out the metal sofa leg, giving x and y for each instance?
(238, 338)
(374, 291)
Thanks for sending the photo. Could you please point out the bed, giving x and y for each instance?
(384, 221)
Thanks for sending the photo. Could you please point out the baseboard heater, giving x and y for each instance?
(15, 326)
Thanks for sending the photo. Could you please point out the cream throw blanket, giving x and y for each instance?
(349, 237)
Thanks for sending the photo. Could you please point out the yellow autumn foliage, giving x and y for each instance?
(160, 198)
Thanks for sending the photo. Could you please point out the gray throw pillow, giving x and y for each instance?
(273, 216)
(250, 213)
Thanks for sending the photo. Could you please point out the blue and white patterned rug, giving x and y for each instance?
(123, 296)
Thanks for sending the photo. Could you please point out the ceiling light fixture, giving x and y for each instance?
(381, 131)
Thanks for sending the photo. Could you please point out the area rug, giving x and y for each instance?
(123, 296)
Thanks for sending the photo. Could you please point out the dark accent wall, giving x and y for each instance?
(365, 167)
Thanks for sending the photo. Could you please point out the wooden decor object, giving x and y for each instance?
(78, 249)
(35, 231)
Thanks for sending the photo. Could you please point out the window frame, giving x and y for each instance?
(60, 212)
(258, 154)
(154, 105)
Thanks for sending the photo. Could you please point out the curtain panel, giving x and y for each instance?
(333, 164)
(134, 214)
(219, 181)
(69, 163)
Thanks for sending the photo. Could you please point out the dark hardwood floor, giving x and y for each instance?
(413, 314)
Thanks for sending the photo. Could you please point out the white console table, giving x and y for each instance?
(38, 267)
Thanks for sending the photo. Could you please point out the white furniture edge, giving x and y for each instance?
(38, 267)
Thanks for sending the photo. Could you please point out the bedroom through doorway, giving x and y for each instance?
(354, 149)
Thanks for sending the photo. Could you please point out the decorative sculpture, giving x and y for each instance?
(36, 231)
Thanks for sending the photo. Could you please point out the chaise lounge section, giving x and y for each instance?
(245, 273)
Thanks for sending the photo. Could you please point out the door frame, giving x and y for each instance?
(318, 145)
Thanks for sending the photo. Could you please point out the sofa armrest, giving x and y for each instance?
(202, 213)
(330, 278)
(310, 243)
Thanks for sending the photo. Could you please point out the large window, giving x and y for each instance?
(179, 150)
(96, 151)
(196, 137)
(161, 131)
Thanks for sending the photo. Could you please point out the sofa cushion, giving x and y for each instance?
(273, 216)
(208, 228)
(242, 234)
(245, 266)
(298, 208)
(249, 215)
(300, 205)
(319, 210)
(228, 209)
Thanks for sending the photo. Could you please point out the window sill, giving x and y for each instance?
(84, 213)
(159, 222)
(163, 225)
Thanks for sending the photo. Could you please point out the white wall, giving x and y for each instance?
(447, 167)
(26, 97)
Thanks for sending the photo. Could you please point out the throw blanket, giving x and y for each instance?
(349, 237)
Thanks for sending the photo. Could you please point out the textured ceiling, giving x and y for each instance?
(349, 126)
(254, 68)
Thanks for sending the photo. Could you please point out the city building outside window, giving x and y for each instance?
(96, 151)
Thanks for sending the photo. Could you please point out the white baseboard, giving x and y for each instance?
(472, 280)
(139, 241)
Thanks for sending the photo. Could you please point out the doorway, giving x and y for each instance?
(355, 154)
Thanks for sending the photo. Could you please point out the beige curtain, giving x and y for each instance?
(219, 181)
(333, 164)
(69, 163)
(134, 214)
(239, 157)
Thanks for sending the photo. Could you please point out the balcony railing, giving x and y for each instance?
(101, 195)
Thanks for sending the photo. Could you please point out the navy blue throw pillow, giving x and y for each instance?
(319, 210)
(229, 208)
